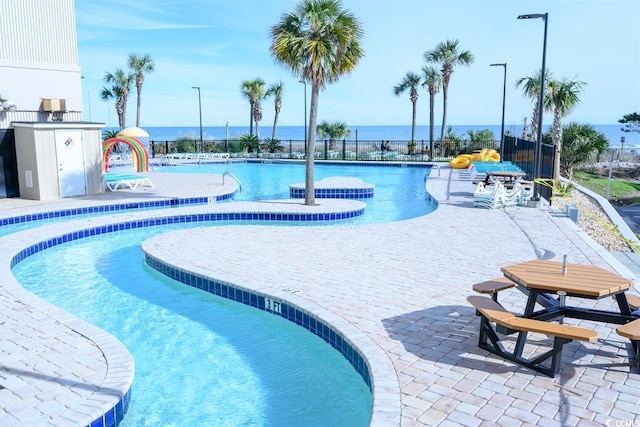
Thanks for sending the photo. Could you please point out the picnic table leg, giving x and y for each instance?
(522, 338)
(621, 299)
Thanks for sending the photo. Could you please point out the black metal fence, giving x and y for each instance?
(522, 153)
(419, 150)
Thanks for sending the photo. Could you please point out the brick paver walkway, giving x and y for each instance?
(397, 290)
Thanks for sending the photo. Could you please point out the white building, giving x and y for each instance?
(46, 151)
(39, 71)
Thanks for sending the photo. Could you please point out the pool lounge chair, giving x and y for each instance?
(498, 197)
(113, 182)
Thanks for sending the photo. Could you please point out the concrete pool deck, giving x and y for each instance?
(398, 288)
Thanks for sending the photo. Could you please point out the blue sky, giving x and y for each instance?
(216, 44)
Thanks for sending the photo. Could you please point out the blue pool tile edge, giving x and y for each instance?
(115, 208)
(273, 305)
(113, 416)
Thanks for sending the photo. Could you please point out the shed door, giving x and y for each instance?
(70, 154)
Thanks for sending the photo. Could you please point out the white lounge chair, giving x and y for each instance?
(486, 198)
(113, 182)
(498, 197)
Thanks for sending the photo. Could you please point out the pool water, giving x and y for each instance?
(399, 191)
(200, 359)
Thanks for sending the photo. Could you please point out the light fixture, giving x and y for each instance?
(200, 110)
(537, 167)
(504, 96)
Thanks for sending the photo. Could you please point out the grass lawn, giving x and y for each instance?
(622, 192)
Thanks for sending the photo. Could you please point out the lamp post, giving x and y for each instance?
(200, 110)
(305, 114)
(504, 97)
(538, 156)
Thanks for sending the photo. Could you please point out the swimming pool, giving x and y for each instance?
(413, 181)
(399, 190)
(198, 357)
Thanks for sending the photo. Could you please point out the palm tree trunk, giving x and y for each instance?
(413, 122)
(309, 185)
(432, 100)
(124, 113)
(138, 107)
(445, 89)
(534, 121)
(556, 136)
(251, 118)
(275, 126)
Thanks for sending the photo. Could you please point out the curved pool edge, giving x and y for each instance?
(92, 371)
(371, 363)
(106, 404)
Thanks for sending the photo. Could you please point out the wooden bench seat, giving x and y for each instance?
(631, 330)
(493, 286)
(633, 300)
(492, 312)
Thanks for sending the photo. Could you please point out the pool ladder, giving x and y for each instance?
(234, 177)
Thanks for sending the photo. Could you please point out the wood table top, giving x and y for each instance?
(581, 280)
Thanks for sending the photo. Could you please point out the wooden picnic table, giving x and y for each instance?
(541, 279)
(549, 283)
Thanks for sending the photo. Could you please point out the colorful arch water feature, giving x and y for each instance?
(139, 153)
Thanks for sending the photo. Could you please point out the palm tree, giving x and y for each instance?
(253, 90)
(257, 105)
(448, 55)
(334, 131)
(275, 90)
(119, 90)
(579, 143)
(140, 64)
(410, 82)
(271, 145)
(318, 42)
(563, 96)
(432, 81)
(531, 89)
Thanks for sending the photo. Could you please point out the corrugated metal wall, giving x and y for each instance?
(38, 31)
(6, 117)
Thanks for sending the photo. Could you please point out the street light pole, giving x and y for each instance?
(504, 97)
(538, 157)
(305, 114)
(200, 110)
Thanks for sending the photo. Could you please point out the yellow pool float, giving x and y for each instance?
(460, 162)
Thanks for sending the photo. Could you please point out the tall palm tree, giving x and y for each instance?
(318, 42)
(114, 93)
(140, 65)
(448, 55)
(531, 89)
(432, 81)
(333, 130)
(120, 85)
(564, 95)
(410, 82)
(276, 90)
(253, 90)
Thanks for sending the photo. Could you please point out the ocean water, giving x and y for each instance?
(613, 132)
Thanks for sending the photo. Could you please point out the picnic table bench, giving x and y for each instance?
(492, 312)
